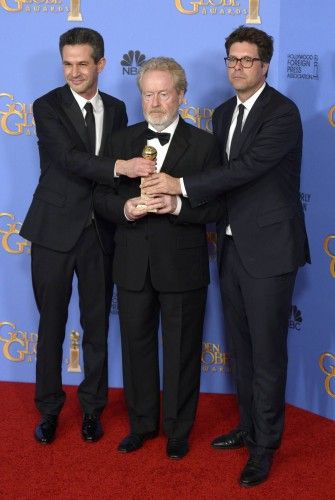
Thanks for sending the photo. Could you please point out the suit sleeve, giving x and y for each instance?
(109, 204)
(59, 150)
(278, 136)
(210, 211)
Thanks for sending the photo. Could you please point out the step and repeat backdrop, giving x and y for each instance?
(193, 32)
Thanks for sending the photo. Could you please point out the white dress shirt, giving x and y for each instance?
(98, 110)
(162, 151)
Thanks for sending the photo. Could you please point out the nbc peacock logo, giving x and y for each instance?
(295, 319)
(131, 61)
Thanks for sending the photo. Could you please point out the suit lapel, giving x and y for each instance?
(139, 140)
(226, 121)
(254, 117)
(73, 112)
(107, 124)
(222, 126)
(177, 147)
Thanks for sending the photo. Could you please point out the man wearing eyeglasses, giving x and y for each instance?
(262, 240)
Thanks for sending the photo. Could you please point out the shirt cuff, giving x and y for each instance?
(178, 207)
(129, 220)
(182, 187)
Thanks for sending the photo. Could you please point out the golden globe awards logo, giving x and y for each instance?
(16, 118)
(329, 248)
(213, 359)
(331, 116)
(11, 242)
(327, 366)
(200, 117)
(222, 7)
(17, 345)
(73, 363)
(71, 7)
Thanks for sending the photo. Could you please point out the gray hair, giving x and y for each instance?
(164, 64)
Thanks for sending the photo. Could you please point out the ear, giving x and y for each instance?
(101, 64)
(265, 68)
(181, 97)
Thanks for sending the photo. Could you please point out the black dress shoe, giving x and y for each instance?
(91, 430)
(176, 448)
(231, 441)
(134, 441)
(46, 429)
(256, 471)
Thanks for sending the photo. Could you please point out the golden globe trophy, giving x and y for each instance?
(74, 365)
(149, 153)
(74, 14)
(253, 17)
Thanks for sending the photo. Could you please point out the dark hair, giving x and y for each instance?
(263, 41)
(164, 64)
(81, 36)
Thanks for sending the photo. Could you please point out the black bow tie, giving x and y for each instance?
(163, 137)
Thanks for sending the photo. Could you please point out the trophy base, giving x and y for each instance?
(253, 20)
(144, 208)
(74, 370)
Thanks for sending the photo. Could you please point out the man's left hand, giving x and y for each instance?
(163, 204)
(161, 184)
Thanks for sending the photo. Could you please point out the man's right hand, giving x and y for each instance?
(131, 211)
(136, 167)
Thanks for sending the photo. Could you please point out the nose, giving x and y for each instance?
(155, 100)
(238, 65)
(75, 70)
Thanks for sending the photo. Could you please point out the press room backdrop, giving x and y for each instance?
(193, 32)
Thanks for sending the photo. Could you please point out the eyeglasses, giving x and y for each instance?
(246, 62)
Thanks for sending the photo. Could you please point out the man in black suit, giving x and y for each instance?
(74, 124)
(262, 240)
(161, 263)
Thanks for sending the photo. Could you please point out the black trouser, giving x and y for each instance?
(182, 316)
(52, 274)
(256, 313)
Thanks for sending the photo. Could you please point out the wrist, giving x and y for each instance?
(119, 167)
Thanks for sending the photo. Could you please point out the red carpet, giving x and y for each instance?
(71, 469)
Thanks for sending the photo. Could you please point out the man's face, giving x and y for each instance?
(160, 100)
(80, 70)
(246, 81)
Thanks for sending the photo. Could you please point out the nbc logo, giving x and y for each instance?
(131, 61)
(295, 318)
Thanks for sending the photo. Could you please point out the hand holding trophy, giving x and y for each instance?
(150, 153)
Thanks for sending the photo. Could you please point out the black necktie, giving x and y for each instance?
(90, 125)
(163, 137)
(237, 133)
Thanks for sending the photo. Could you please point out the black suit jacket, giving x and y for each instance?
(175, 248)
(261, 184)
(63, 198)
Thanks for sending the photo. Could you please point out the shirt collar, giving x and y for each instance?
(251, 101)
(96, 100)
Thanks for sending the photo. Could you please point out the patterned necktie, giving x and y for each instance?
(90, 126)
(163, 137)
(237, 133)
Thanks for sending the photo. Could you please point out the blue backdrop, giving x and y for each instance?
(192, 32)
